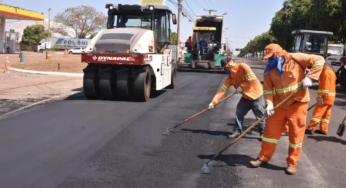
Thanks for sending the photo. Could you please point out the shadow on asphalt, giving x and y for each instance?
(238, 160)
(155, 94)
(328, 139)
(80, 96)
(215, 133)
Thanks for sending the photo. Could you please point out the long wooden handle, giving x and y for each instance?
(201, 112)
(254, 124)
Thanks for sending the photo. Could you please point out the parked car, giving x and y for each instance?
(76, 50)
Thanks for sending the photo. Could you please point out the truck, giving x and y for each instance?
(131, 58)
(61, 43)
(316, 42)
(335, 51)
(208, 57)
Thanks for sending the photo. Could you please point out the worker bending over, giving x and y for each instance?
(285, 74)
(325, 101)
(242, 77)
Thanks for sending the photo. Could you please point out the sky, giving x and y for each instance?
(245, 19)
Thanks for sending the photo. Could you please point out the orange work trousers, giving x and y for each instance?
(321, 115)
(295, 117)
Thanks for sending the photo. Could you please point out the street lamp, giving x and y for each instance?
(224, 13)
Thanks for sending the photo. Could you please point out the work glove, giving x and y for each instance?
(320, 100)
(239, 89)
(211, 106)
(307, 82)
(269, 110)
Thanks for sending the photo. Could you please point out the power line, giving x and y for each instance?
(211, 4)
(185, 12)
(198, 4)
(190, 8)
(205, 2)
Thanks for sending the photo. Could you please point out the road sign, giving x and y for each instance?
(238, 49)
(152, 2)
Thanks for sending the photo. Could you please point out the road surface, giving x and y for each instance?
(81, 143)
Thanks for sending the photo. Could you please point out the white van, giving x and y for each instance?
(336, 51)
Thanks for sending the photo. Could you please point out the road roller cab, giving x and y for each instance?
(131, 58)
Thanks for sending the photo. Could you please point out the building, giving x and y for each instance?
(8, 12)
(19, 26)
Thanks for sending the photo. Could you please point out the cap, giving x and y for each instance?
(273, 48)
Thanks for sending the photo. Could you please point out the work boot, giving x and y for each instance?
(256, 163)
(310, 132)
(284, 134)
(291, 170)
(320, 132)
(234, 135)
(261, 137)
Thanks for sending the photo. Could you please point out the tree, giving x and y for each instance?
(294, 15)
(34, 34)
(174, 38)
(330, 15)
(83, 20)
(258, 44)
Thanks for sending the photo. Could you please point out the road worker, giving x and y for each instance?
(325, 101)
(123, 21)
(189, 44)
(246, 82)
(285, 74)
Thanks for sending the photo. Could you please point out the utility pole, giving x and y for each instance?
(178, 33)
(49, 19)
(210, 10)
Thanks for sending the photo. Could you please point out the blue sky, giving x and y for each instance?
(245, 19)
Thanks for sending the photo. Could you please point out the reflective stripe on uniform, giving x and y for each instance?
(288, 89)
(327, 92)
(270, 140)
(296, 145)
(266, 92)
(318, 63)
(323, 91)
(314, 119)
(324, 120)
(249, 75)
(224, 87)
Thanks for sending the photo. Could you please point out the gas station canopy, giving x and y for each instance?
(16, 13)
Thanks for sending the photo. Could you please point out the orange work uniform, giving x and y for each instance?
(326, 90)
(241, 75)
(293, 112)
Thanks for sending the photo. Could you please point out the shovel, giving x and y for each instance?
(341, 128)
(168, 130)
(206, 169)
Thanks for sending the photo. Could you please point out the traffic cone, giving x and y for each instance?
(65, 53)
(7, 63)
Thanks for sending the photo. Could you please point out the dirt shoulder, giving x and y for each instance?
(38, 62)
(18, 89)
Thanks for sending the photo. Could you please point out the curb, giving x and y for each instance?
(47, 73)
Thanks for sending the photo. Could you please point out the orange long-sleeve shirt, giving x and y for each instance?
(327, 86)
(241, 75)
(277, 88)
